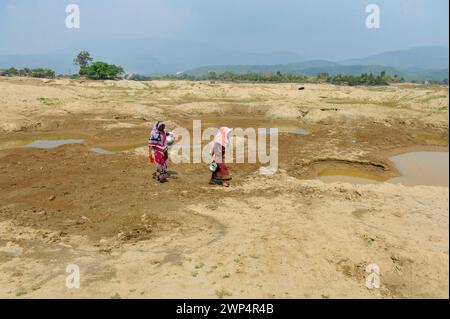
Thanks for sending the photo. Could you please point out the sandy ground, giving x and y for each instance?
(282, 236)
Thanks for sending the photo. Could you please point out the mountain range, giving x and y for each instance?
(421, 63)
(164, 56)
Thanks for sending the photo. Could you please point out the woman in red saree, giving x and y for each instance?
(221, 176)
(158, 149)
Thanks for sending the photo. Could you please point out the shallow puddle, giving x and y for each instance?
(422, 168)
(101, 151)
(416, 168)
(48, 143)
(299, 131)
(52, 143)
(56, 143)
(28, 139)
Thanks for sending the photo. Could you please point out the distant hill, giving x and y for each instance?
(430, 57)
(421, 63)
(294, 68)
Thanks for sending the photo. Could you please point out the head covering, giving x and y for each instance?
(223, 136)
(157, 135)
(158, 125)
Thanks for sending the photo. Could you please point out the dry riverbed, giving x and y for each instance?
(286, 235)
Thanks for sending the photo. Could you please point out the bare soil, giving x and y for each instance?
(285, 235)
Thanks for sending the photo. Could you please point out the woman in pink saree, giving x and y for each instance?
(221, 176)
(158, 149)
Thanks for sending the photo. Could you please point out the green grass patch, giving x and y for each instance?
(116, 296)
(21, 292)
(50, 101)
(200, 265)
(107, 251)
(347, 101)
(392, 103)
(223, 293)
(379, 89)
(389, 103)
(433, 97)
(35, 287)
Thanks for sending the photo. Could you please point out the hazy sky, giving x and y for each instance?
(315, 28)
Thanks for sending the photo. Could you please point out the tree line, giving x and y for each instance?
(363, 79)
(34, 73)
(92, 70)
(278, 77)
(99, 70)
